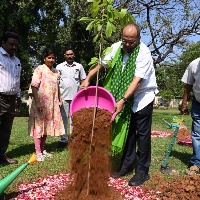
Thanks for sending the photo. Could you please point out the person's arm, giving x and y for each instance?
(59, 95)
(187, 90)
(89, 77)
(130, 91)
(58, 85)
(36, 98)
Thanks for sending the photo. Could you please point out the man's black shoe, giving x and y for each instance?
(122, 172)
(7, 160)
(62, 145)
(138, 179)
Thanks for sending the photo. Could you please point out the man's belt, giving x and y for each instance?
(7, 96)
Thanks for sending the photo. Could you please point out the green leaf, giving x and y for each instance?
(107, 51)
(95, 38)
(108, 31)
(90, 26)
(85, 19)
(123, 12)
(95, 11)
(130, 18)
(116, 13)
(93, 60)
(109, 8)
(99, 27)
(110, 16)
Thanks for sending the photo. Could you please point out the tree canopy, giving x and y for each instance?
(167, 23)
(55, 24)
(169, 78)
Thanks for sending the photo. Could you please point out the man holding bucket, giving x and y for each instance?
(131, 80)
(71, 75)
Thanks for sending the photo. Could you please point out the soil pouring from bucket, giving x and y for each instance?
(99, 158)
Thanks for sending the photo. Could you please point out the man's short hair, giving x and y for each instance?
(8, 35)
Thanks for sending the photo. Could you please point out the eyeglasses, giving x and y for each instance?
(128, 42)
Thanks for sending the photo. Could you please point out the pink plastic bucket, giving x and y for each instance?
(86, 99)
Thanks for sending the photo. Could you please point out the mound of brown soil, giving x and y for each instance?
(89, 156)
(184, 136)
(187, 187)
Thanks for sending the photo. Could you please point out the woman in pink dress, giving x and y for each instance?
(45, 117)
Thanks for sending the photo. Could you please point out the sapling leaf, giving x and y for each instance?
(85, 19)
(90, 26)
(93, 60)
(108, 29)
(123, 12)
(95, 38)
(107, 51)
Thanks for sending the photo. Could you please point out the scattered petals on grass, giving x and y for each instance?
(47, 188)
(131, 192)
(160, 134)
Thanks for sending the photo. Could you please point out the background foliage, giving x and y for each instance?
(55, 24)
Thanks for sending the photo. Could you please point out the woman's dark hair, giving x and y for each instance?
(47, 52)
(8, 35)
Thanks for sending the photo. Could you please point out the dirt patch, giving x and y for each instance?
(184, 136)
(187, 187)
(89, 156)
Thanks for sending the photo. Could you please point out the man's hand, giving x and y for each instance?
(118, 107)
(184, 110)
(84, 85)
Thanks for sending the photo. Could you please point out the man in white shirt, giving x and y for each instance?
(191, 78)
(133, 72)
(71, 75)
(10, 70)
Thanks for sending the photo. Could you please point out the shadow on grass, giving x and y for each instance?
(8, 196)
(182, 156)
(28, 149)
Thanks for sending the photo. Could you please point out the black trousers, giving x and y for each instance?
(7, 113)
(139, 136)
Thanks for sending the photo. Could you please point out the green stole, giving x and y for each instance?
(117, 82)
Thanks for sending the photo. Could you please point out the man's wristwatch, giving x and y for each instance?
(125, 99)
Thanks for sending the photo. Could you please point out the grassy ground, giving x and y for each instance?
(21, 147)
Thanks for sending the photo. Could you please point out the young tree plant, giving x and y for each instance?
(104, 21)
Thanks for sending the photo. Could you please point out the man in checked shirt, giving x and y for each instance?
(10, 70)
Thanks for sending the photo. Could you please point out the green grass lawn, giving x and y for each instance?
(21, 147)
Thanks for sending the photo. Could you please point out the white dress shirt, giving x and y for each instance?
(70, 78)
(192, 77)
(10, 70)
(147, 90)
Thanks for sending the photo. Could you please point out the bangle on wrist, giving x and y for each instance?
(125, 99)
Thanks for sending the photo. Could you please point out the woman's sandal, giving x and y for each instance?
(192, 170)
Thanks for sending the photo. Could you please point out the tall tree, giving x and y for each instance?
(169, 78)
(37, 23)
(167, 23)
